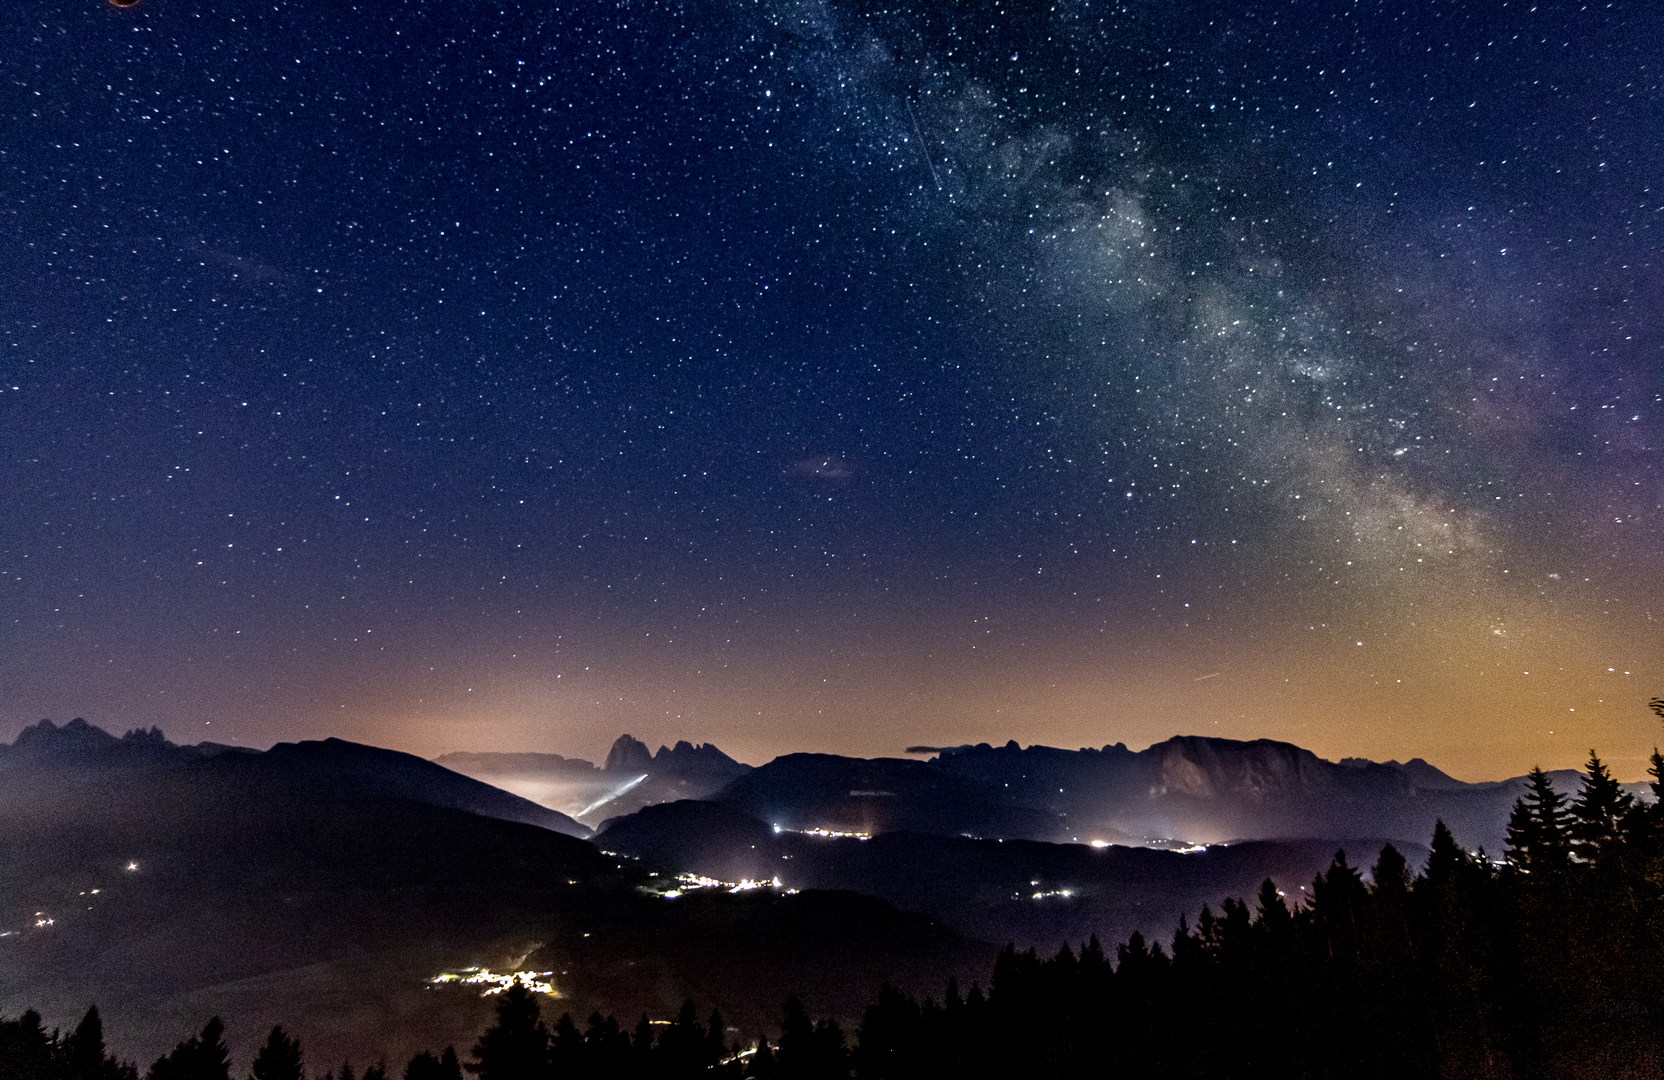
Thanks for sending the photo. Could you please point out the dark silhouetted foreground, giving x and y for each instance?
(1549, 964)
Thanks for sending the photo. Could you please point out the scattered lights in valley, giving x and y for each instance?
(43, 920)
(836, 834)
(493, 982)
(686, 883)
(1177, 847)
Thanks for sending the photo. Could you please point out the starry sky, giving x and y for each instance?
(836, 374)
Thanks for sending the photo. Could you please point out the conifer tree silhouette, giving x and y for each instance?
(83, 1056)
(810, 1050)
(423, 1066)
(568, 1056)
(83, 1051)
(764, 1064)
(26, 1049)
(1537, 828)
(680, 1052)
(279, 1058)
(200, 1057)
(715, 1052)
(1598, 812)
(516, 1047)
(887, 1044)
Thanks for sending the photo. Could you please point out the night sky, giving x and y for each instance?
(807, 375)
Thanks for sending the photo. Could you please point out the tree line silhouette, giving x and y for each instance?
(1549, 963)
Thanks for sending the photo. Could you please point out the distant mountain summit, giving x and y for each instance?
(633, 777)
(1042, 844)
(705, 760)
(1208, 790)
(47, 740)
(1181, 792)
(79, 744)
(629, 755)
(1419, 772)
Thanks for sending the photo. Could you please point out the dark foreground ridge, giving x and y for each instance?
(1548, 964)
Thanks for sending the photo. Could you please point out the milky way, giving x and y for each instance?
(836, 376)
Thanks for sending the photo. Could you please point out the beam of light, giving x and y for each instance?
(610, 796)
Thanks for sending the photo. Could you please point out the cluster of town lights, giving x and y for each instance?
(836, 834)
(494, 982)
(689, 882)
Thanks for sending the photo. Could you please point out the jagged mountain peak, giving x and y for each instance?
(81, 744)
(686, 758)
(74, 736)
(1202, 766)
(629, 754)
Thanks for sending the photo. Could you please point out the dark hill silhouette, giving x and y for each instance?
(393, 773)
(985, 888)
(554, 764)
(328, 764)
(298, 886)
(825, 791)
(703, 837)
(262, 882)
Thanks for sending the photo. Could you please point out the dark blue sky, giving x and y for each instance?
(835, 375)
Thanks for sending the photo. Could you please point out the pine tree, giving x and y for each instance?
(681, 1046)
(887, 1042)
(424, 1066)
(797, 1037)
(1521, 836)
(1597, 815)
(517, 1046)
(763, 1064)
(1273, 916)
(715, 1032)
(1537, 827)
(278, 1059)
(200, 1057)
(1391, 874)
(27, 1050)
(83, 1052)
(568, 1056)
(810, 1050)
(607, 1046)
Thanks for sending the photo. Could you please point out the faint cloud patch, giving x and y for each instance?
(830, 469)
